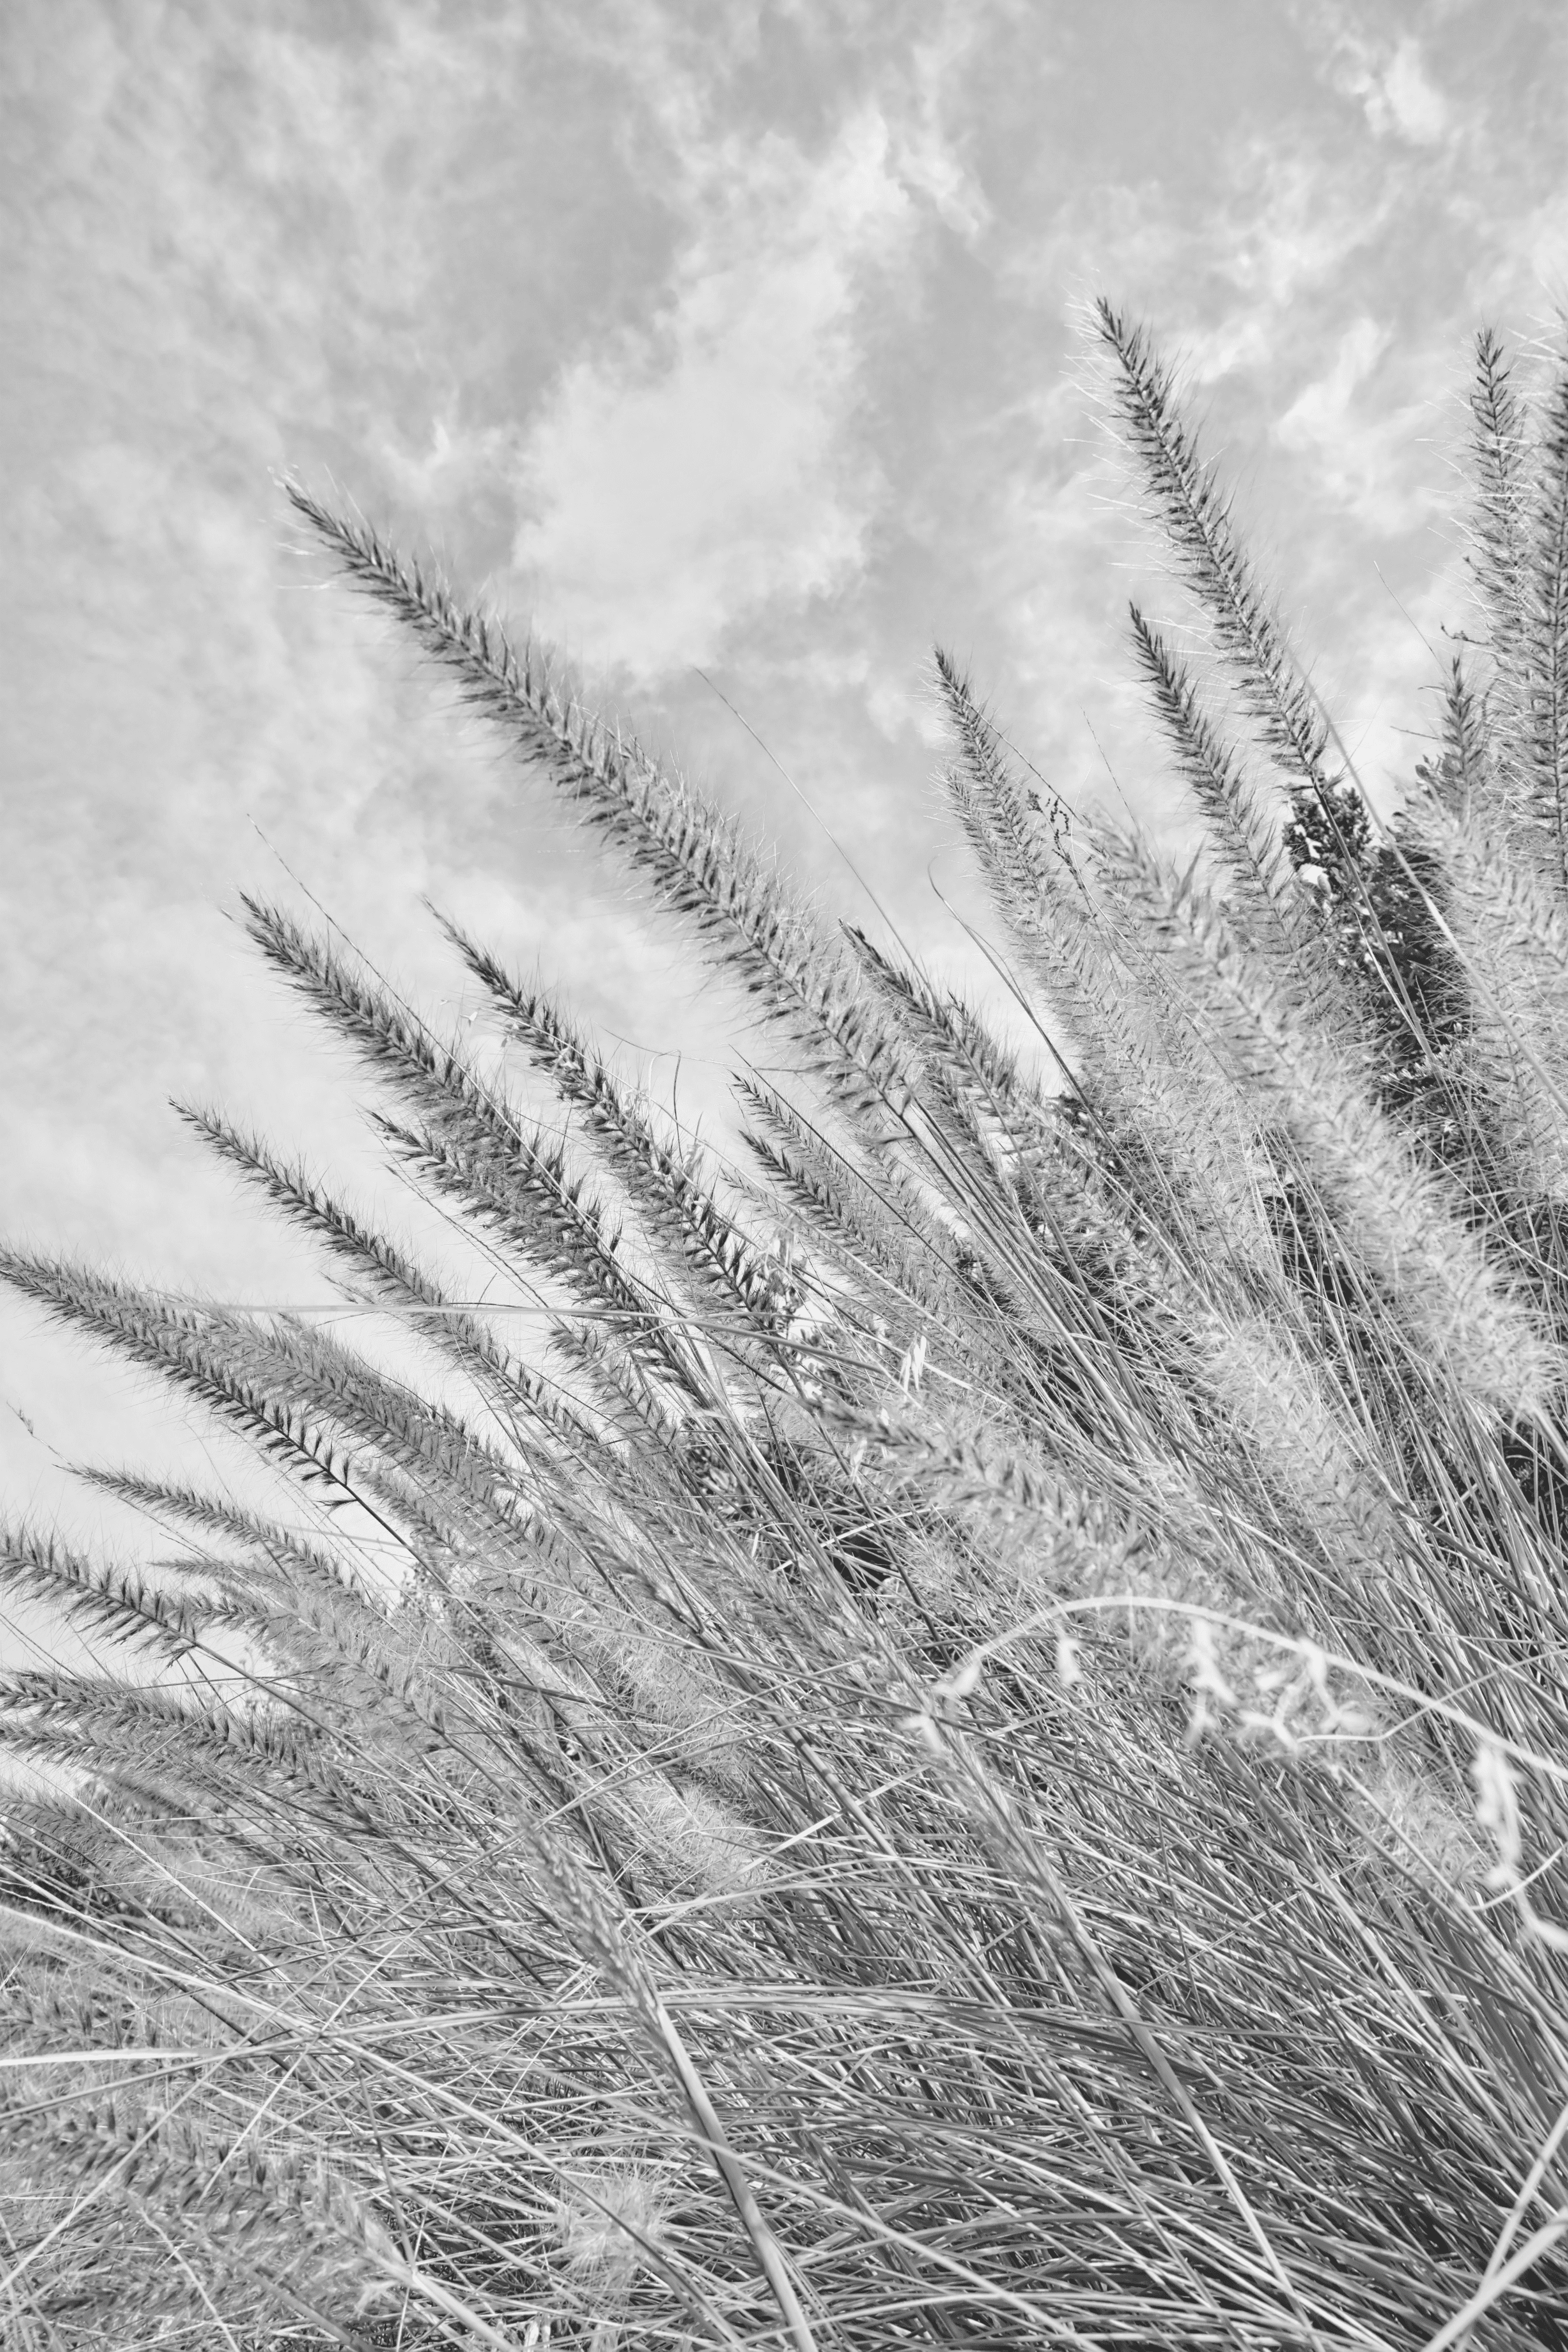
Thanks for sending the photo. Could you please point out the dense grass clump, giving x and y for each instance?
(978, 1755)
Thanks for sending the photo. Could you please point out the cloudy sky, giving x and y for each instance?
(713, 337)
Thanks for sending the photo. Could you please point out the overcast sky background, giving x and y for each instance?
(712, 337)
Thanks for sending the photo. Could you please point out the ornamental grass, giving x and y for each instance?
(976, 1752)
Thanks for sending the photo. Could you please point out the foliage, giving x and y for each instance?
(977, 1754)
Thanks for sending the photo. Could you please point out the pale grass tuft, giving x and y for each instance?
(606, 2220)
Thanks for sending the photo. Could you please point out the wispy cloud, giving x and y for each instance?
(693, 473)
(1361, 450)
(708, 466)
(1381, 68)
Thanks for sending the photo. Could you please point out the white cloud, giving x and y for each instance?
(1404, 100)
(1387, 78)
(693, 474)
(928, 158)
(1285, 227)
(1364, 454)
(1320, 418)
